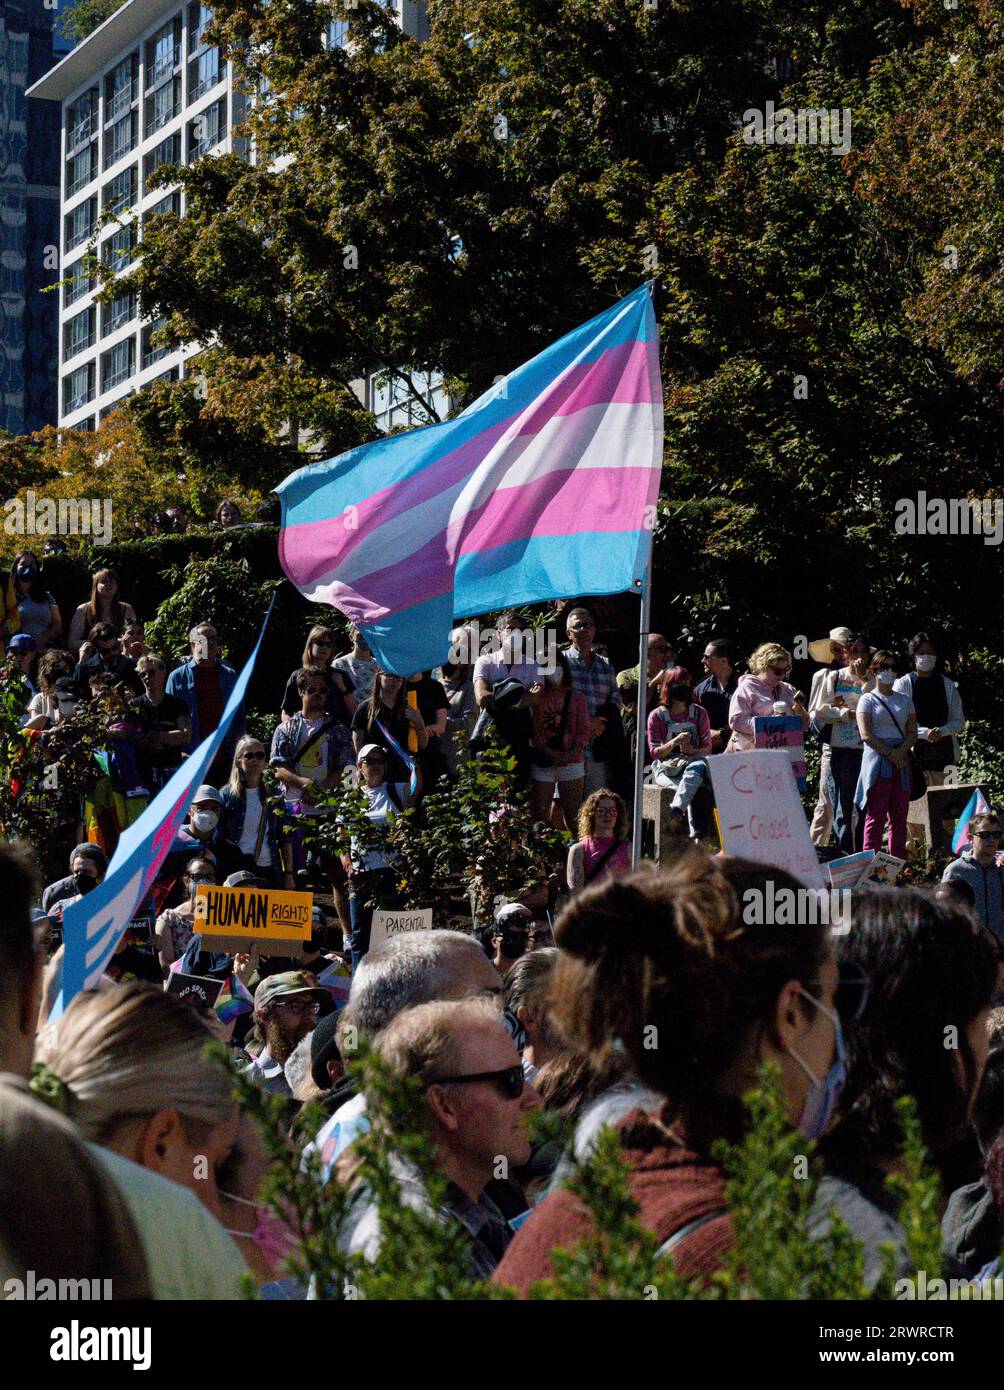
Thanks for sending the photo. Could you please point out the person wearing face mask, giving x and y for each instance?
(834, 704)
(759, 690)
(38, 612)
(175, 925)
(43, 709)
(560, 734)
(679, 741)
(88, 866)
(887, 724)
(203, 835)
(641, 952)
(507, 685)
(263, 1238)
(928, 966)
(940, 717)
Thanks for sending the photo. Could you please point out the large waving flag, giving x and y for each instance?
(545, 487)
(975, 806)
(95, 924)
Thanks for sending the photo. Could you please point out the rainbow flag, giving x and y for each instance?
(975, 806)
(545, 487)
(233, 1000)
(337, 980)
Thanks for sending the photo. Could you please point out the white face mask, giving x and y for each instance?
(886, 677)
(204, 821)
(925, 663)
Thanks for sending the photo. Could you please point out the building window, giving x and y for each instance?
(118, 364)
(78, 333)
(119, 193)
(79, 224)
(80, 169)
(393, 405)
(198, 18)
(204, 72)
(107, 409)
(120, 139)
(207, 129)
(117, 252)
(78, 283)
(152, 350)
(338, 33)
(170, 204)
(117, 312)
(78, 388)
(167, 152)
(86, 425)
(81, 123)
(121, 88)
(163, 52)
(163, 105)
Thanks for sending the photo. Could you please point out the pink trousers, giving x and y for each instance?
(887, 799)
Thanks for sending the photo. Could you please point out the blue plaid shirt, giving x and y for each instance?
(598, 682)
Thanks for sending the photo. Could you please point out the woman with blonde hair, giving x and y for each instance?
(103, 606)
(602, 849)
(250, 821)
(318, 651)
(757, 693)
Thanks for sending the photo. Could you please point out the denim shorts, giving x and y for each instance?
(558, 774)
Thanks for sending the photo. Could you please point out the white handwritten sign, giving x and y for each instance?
(761, 813)
(387, 925)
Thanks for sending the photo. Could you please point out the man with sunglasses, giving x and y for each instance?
(286, 1009)
(477, 1105)
(979, 868)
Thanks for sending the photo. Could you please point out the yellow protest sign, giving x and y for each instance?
(255, 914)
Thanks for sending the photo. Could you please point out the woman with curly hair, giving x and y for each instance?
(759, 690)
(665, 953)
(602, 849)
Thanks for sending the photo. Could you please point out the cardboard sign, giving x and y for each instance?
(783, 731)
(885, 868)
(233, 919)
(200, 990)
(760, 812)
(389, 924)
(849, 871)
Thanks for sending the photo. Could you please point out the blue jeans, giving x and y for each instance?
(845, 765)
(367, 891)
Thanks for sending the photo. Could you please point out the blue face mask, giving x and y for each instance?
(822, 1096)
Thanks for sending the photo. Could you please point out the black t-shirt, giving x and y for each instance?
(431, 699)
(160, 719)
(122, 667)
(395, 723)
(335, 705)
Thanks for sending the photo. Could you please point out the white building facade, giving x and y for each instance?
(144, 89)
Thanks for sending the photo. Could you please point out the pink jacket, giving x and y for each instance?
(755, 697)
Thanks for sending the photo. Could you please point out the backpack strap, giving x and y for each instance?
(678, 1237)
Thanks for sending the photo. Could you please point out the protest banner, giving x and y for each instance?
(760, 812)
(388, 924)
(265, 921)
(783, 731)
(201, 991)
(884, 868)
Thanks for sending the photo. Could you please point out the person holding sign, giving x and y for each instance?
(370, 872)
(759, 691)
(835, 703)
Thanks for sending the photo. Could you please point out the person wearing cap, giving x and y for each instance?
(202, 833)
(829, 653)
(24, 649)
(326, 1066)
(286, 1009)
(836, 698)
(510, 935)
(370, 872)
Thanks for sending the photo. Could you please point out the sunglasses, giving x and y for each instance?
(321, 642)
(256, 756)
(509, 1080)
(987, 834)
(851, 993)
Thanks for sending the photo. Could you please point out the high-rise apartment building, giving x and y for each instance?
(144, 89)
(29, 217)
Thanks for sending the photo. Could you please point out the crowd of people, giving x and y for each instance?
(550, 1003)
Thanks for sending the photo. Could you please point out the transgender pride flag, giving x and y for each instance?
(543, 488)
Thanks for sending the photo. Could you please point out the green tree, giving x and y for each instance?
(82, 17)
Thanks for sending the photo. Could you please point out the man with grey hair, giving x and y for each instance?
(204, 683)
(592, 676)
(411, 969)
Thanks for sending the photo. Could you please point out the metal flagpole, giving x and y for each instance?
(641, 742)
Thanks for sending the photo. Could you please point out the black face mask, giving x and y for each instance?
(513, 944)
(85, 882)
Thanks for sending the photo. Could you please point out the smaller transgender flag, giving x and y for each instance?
(337, 981)
(543, 488)
(975, 806)
(233, 1000)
